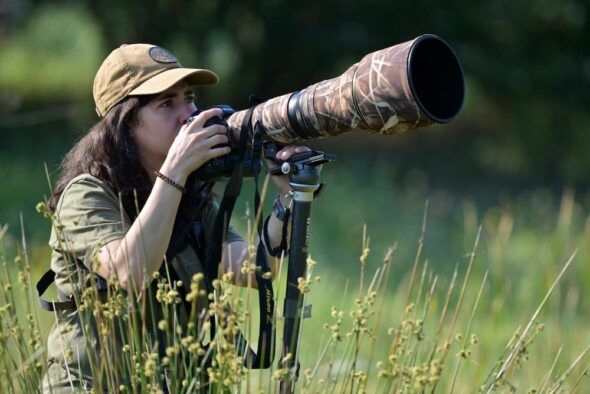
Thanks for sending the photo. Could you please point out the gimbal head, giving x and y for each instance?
(299, 161)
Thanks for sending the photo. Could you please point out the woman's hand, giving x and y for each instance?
(282, 181)
(195, 144)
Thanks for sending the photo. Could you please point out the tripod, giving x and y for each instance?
(304, 178)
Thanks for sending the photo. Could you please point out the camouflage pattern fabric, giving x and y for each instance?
(373, 95)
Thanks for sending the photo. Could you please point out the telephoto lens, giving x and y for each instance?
(404, 87)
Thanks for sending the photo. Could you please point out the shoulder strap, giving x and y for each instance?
(189, 215)
(51, 306)
(67, 302)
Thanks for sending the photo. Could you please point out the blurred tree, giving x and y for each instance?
(52, 54)
(527, 63)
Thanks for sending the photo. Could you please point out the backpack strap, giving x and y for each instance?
(188, 217)
(67, 302)
(53, 306)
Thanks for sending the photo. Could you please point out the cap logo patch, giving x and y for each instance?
(161, 55)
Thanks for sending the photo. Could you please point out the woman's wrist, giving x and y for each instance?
(174, 172)
(275, 229)
(280, 208)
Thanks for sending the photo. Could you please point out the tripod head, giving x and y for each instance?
(303, 170)
(300, 161)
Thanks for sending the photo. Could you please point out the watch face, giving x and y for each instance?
(278, 210)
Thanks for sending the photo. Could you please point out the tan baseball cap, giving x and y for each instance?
(140, 69)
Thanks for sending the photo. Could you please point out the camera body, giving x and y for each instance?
(218, 119)
(222, 167)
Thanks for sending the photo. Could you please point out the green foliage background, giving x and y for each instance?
(527, 65)
(517, 152)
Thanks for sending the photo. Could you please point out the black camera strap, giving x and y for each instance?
(264, 355)
(265, 290)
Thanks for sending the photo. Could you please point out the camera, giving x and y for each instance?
(222, 167)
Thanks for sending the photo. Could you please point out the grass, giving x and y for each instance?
(429, 318)
(510, 316)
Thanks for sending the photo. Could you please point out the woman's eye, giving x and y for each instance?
(166, 103)
(189, 99)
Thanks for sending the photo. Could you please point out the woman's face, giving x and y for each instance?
(159, 122)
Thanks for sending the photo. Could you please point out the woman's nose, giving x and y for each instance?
(187, 111)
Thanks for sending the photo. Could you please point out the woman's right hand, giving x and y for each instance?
(195, 144)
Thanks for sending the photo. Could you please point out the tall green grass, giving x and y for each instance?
(509, 317)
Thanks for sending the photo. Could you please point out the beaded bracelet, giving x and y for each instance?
(170, 181)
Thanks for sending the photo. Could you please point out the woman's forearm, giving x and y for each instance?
(140, 252)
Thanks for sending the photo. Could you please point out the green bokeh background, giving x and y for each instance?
(515, 160)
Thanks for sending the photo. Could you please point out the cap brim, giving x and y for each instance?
(168, 78)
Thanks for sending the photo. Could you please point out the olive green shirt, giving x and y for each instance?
(88, 216)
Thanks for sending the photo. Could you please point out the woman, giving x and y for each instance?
(116, 202)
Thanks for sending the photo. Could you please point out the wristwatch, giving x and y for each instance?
(279, 210)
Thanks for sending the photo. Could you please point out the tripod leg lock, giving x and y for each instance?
(292, 310)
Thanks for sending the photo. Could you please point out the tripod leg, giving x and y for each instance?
(304, 188)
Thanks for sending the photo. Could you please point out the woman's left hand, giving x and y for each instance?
(282, 181)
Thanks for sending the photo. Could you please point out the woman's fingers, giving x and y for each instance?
(216, 139)
(288, 151)
(209, 131)
(197, 122)
(207, 148)
(195, 144)
(216, 152)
